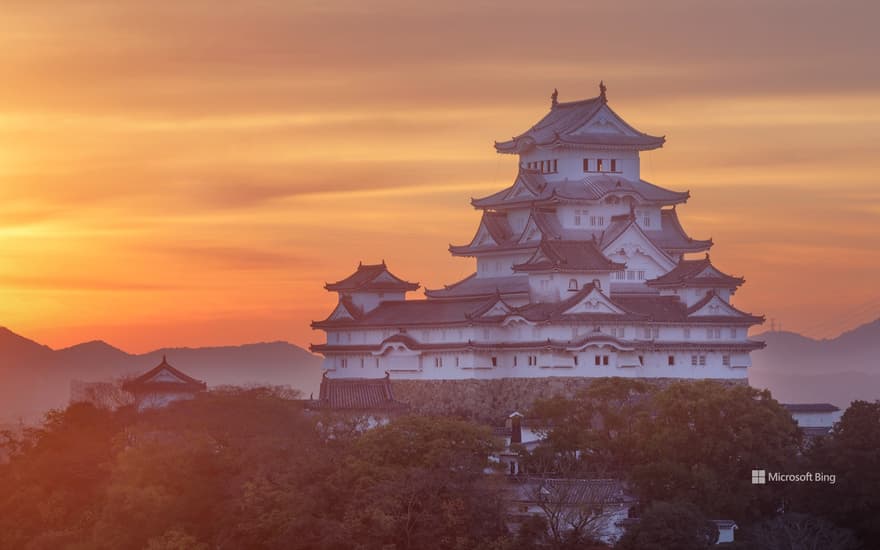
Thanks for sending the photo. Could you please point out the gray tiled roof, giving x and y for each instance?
(686, 274)
(592, 187)
(559, 127)
(473, 286)
(364, 279)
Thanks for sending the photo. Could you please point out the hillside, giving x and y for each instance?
(837, 370)
(34, 377)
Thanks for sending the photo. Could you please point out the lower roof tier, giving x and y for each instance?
(588, 305)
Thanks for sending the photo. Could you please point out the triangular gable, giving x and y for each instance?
(483, 237)
(165, 376)
(385, 277)
(531, 232)
(500, 308)
(716, 307)
(340, 313)
(709, 272)
(633, 240)
(594, 302)
(519, 189)
(605, 121)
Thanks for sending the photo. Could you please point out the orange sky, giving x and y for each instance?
(191, 175)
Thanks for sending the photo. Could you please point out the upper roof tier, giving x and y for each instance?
(568, 256)
(164, 377)
(585, 124)
(372, 278)
(531, 187)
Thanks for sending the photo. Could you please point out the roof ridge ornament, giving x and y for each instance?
(554, 98)
(602, 90)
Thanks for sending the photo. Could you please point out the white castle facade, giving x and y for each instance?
(582, 270)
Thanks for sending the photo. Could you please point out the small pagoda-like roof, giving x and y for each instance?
(730, 313)
(581, 124)
(164, 378)
(592, 187)
(372, 278)
(360, 394)
(696, 273)
(553, 255)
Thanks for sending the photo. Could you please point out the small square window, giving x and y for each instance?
(586, 165)
(494, 361)
(693, 360)
(725, 360)
(614, 165)
(604, 359)
(671, 360)
(598, 165)
(702, 360)
(598, 360)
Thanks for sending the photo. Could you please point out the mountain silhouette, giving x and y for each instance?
(796, 368)
(35, 378)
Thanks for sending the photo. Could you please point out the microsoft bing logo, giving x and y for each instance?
(759, 477)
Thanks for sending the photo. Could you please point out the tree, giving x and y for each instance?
(666, 526)
(703, 439)
(799, 531)
(577, 512)
(851, 454)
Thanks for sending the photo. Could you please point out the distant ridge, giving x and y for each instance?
(838, 370)
(35, 378)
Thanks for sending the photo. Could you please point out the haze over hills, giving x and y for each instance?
(837, 370)
(35, 378)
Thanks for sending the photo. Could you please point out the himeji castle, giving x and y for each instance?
(583, 269)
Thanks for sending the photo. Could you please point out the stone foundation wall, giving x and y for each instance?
(491, 401)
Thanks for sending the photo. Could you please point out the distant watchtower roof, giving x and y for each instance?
(583, 124)
(372, 278)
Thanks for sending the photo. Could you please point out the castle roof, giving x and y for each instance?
(372, 278)
(588, 123)
(531, 187)
(553, 255)
(363, 394)
(696, 273)
(476, 287)
(166, 378)
(672, 237)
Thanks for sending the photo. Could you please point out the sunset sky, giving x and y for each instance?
(191, 173)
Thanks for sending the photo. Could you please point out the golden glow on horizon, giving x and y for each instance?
(188, 176)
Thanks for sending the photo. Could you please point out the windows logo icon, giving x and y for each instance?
(759, 477)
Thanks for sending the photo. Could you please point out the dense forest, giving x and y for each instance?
(250, 468)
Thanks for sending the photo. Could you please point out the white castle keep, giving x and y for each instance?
(583, 270)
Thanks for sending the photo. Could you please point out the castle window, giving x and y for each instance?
(494, 361)
(604, 359)
(362, 362)
(725, 360)
(343, 363)
(646, 221)
(438, 361)
(598, 360)
(572, 284)
(614, 165)
(670, 360)
(687, 333)
(620, 275)
(577, 216)
(575, 360)
(457, 362)
(642, 360)
(641, 275)
(555, 165)
(702, 360)
(694, 360)
(514, 360)
(630, 275)
(533, 360)
(599, 165)
(586, 165)
(377, 362)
